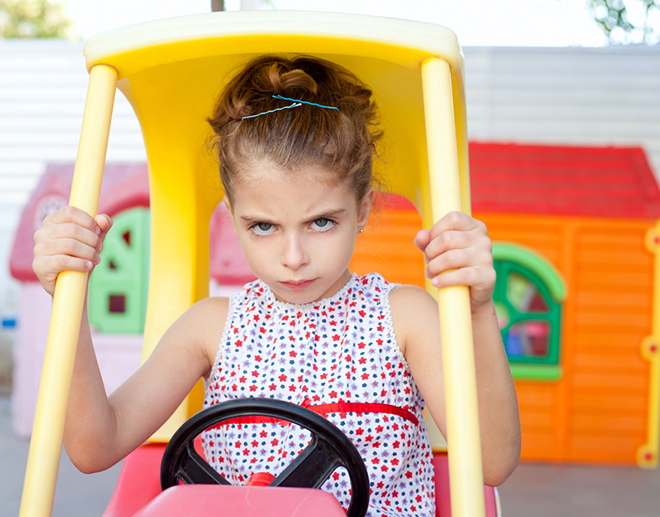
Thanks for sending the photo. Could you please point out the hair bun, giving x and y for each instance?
(290, 81)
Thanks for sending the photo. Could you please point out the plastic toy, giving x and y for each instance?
(170, 71)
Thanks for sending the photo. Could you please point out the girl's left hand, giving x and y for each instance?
(458, 251)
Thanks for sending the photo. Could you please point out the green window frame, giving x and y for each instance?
(529, 297)
(119, 283)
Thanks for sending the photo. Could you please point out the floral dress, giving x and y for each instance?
(339, 357)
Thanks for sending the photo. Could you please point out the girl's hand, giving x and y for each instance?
(68, 240)
(458, 251)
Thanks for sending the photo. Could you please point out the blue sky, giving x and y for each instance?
(476, 22)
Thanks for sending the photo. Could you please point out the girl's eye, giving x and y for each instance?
(322, 224)
(263, 228)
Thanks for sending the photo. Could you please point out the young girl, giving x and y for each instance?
(295, 140)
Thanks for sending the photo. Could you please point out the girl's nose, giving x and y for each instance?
(294, 256)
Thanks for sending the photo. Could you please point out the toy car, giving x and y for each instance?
(169, 70)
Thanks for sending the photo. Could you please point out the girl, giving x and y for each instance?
(295, 140)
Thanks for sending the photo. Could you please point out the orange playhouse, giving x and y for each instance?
(576, 238)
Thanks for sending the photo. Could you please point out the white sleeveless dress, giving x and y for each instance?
(339, 357)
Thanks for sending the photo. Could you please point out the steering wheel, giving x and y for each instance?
(328, 449)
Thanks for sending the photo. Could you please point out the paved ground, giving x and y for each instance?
(532, 491)
(579, 491)
(77, 495)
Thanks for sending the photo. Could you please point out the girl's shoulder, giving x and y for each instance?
(414, 315)
(215, 306)
(208, 315)
(206, 321)
(411, 298)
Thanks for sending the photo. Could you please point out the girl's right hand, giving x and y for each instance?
(68, 240)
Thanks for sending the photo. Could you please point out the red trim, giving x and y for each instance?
(364, 407)
(335, 407)
(252, 420)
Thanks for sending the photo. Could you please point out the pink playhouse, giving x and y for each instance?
(117, 292)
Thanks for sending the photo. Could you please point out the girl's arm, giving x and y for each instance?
(101, 430)
(460, 245)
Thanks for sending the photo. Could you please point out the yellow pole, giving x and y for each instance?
(463, 440)
(46, 443)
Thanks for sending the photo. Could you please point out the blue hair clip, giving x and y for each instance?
(296, 103)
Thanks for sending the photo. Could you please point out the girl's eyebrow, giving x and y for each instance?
(330, 214)
(248, 219)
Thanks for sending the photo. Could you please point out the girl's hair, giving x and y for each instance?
(341, 141)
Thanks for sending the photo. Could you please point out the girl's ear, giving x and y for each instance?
(365, 208)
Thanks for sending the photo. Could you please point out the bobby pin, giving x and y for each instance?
(296, 103)
(305, 102)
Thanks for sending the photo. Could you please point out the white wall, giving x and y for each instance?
(532, 95)
(595, 96)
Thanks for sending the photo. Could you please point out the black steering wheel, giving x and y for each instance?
(328, 449)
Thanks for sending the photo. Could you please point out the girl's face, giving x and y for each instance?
(297, 230)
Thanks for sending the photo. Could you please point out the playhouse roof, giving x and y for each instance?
(563, 180)
(125, 185)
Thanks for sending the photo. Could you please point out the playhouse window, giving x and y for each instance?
(118, 285)
(529, 296)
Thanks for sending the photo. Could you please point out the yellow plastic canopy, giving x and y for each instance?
(171, 71)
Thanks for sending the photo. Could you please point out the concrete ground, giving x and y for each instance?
(536, 490)
(77, 495)
(533, 490)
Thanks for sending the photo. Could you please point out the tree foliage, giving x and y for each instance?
(32, 19)
(628, 21)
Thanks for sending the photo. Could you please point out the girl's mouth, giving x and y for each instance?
(297, 286)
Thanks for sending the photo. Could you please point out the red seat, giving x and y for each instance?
(139, 484)
(139, 481)
(238, 501)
